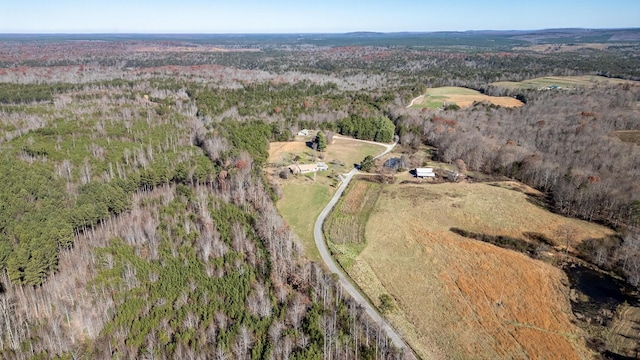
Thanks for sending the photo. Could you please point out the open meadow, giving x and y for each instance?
(631, 136)
(567, 82)
(435, 98)
(305, 195)
(466, 298)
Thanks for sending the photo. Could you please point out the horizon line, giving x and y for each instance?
(315, 33)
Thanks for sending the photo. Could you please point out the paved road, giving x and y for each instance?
(334, 268)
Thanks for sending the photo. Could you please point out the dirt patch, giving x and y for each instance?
(466, 298)
(632, 136)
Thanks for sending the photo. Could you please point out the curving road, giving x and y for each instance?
(335, 268)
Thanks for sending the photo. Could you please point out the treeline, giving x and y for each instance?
(26, 93)
(379, 129)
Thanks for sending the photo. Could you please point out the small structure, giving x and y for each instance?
(425, 173)
(307, 168)
(303, 132)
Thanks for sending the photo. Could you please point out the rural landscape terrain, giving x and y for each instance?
(265, 197)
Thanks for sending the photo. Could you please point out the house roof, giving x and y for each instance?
(425, 172)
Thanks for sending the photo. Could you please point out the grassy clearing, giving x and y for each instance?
(463, 297)
(632, 136)
(345, 226)
(303, 196)
(341, 155)
(434, 98)
(300, 206)
(562, 81)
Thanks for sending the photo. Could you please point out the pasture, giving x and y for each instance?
(631, 136)
(464, 297)
(565, 82)
(304, 196)
(435, 98)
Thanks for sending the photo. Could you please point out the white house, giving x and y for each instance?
(303, 132)
(307, 168)
(425, 173)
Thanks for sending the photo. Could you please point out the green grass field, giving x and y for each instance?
(345, 226)
(300, 206)
(303, 199)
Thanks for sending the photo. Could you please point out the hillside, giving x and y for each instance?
(132, 227)
(142, 195)
(464, 297)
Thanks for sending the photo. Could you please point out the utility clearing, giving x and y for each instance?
(462, 297)
(435, 98)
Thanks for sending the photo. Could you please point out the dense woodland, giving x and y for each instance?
(135, 221)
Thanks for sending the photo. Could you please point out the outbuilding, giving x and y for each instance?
(425, 173)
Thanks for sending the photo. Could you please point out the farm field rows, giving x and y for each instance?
(454, 293)
(435, 98)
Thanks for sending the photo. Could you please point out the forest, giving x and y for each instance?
(136, 220)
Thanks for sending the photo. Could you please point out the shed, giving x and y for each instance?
(425, 173)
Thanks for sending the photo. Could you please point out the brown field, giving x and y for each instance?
(435, 98)
(624, 331)
(553, 48)
(342, 151)
(458, 298)
(465, 101)
(632, 136)
(565, 82)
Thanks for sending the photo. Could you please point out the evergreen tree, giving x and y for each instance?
(321, 141)
(367, 163)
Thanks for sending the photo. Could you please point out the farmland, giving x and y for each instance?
(435, 98)
(454, 292)
(304, 196)
(631, 136)
(567, 82)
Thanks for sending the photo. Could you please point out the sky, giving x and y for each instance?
(320, 16)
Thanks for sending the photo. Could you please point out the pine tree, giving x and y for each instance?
(321, 141)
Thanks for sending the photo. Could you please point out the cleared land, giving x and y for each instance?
(304, 196)
(632, 136)
(467, 298)
(435, 98)
(341, 155)
(562, 82)
(553, 48)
